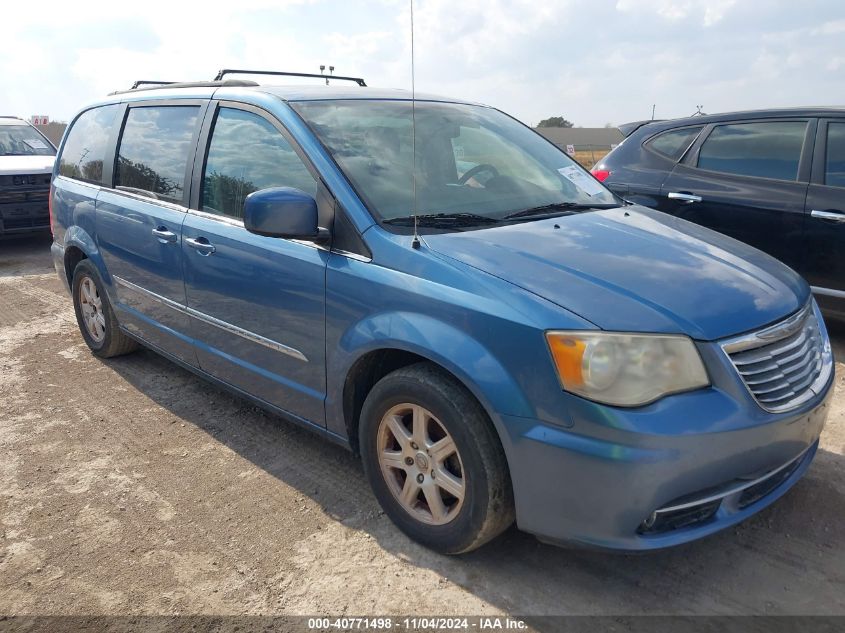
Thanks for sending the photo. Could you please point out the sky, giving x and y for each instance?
(591, 61)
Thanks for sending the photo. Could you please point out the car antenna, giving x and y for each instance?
(415, 243)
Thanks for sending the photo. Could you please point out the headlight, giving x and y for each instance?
(626, 370)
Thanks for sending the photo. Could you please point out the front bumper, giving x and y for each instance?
(601, 487)
(24, 217)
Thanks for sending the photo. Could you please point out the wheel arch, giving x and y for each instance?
(79, 245)
(73, 255)
(364, 358)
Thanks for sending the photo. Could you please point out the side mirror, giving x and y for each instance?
(281, 212)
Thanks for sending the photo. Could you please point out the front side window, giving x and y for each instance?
(835, 164)
(153, 153)
(85, 147)
(246, 154)
(768, 150)
(471, 161)
(674, 143)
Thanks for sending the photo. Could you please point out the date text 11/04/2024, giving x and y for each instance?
(416, 623)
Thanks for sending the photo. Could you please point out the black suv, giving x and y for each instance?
(774, 179)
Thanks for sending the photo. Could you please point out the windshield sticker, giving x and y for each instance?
(585, 183)
(35, 143)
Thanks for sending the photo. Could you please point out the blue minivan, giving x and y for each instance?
(433, 285)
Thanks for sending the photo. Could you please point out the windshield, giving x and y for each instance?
(470, 160)
(23, 140)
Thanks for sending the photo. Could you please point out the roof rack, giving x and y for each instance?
(218, 81)
(231, 71)
(159, 85)
(144, 82)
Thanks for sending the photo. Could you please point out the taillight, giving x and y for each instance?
(50, 209)
(601, 174)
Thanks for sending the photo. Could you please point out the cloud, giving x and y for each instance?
(591, 61)
(707, 12)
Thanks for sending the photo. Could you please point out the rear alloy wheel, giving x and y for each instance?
(434, 460)
(91, 306)
(94, 314)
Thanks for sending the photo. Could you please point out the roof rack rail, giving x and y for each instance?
(231, 71)
(144, 82)
(156, 85)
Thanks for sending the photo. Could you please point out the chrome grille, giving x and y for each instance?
(786, 364)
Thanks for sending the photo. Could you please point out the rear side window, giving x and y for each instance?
(153, 153)
(85, 147)
(768, 150)
(674, 143)
(248, 153)
(835, 166)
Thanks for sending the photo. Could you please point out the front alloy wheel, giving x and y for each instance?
(434, 460)
(421, 464)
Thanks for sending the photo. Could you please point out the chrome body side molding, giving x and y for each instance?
(206, 318)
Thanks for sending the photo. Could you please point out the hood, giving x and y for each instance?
(633, 269)
(13, 165)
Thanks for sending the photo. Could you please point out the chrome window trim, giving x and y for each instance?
(223, 325)
(167, 204)
(226, 219)
(85, 183)
(355, 256)
(828, 292)
(315, 245)
(773, 334)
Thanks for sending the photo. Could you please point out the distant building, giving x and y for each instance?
(53, 131)
(582, 137)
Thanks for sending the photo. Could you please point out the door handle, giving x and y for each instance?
(200, 244)
(164, 235)
(687, 198)
(836, 216)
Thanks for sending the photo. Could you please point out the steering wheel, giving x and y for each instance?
(477, 170)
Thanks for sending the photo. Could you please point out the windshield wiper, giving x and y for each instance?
(549, 209)
(444, 220)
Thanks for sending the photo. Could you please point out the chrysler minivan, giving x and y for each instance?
(433, 285)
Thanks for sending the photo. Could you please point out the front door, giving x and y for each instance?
(825, 236)
(257, 304)
(139, 223)
(747, 180)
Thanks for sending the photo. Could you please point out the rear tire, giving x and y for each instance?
(434, 461)
(95, 316)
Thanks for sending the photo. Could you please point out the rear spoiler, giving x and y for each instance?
(629, 128)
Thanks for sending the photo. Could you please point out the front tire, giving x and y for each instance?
(434, 460)
(95, 316)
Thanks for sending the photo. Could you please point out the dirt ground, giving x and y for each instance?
(130, 486)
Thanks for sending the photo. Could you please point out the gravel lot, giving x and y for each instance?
(129, 486)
